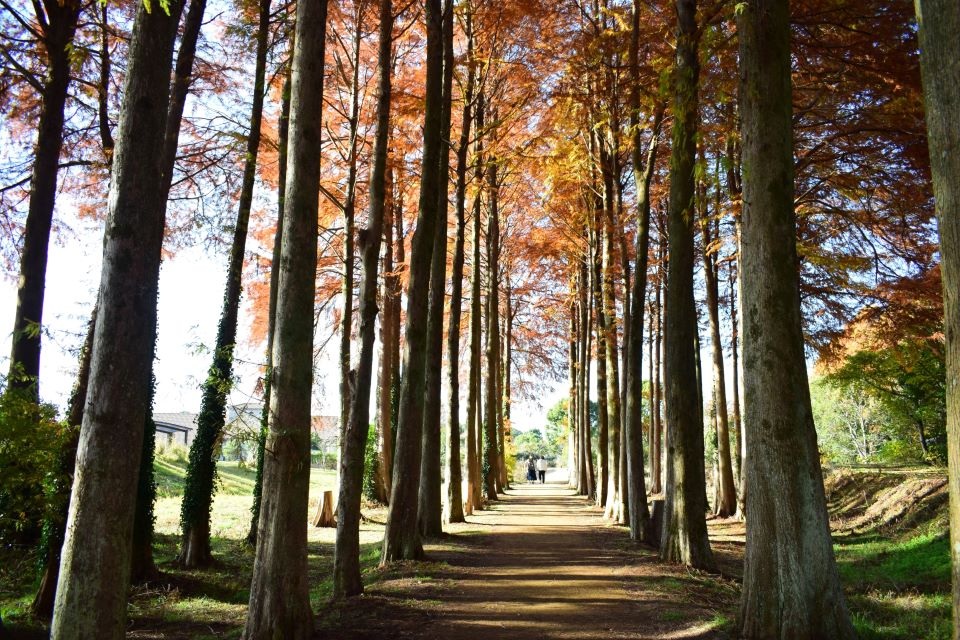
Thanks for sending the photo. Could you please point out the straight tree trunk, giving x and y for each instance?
(939, 22)
(642, 175)
(603, 416)
(454, 468)
(349, 228)
(726, 505)
(474, 402)
(685, 537)
(283, 131)
(199, 486)
(431, 506)
(143, 567)
(91, 599)
(589, 483)
(401, 539)
(791, 588)
(279, 592)
(656, 455)
(42, 605)
(492, 426)
(387, 338)
(613, 505)
(58, 23)
(346, 558)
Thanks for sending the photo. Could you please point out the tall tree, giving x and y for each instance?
(491, 459)
(349, 207)
(283, 131)
(791, 588)
(279, 593)
(95, 565)
(939, 54)
(454, 465)
(430, 501)
(57, 23)
(401, 539)
(474, 417)
(726, 505)
(202, 469)
(684, 522)
(642, 175)
(346, 561)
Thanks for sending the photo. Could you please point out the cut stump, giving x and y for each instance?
(324, 516)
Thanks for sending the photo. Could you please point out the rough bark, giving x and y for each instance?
(401, 539)
(684, 537)
(279, 593)
(587, 474)
(199, 485)
(283, 131)
(95, 565)
(613, 504)
(656, 455)
(491, 459)
(726, 504)
(349, 229)
(389, 300)
(42, 605)
(346, 558)
(940, 68)
(431, 505)
(474, 419)
(642, 175)
(791, 588)
(57, 23)
(454, 465)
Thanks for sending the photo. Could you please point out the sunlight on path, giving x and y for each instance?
(542, 563)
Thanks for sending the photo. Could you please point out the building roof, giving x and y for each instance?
(180, 419)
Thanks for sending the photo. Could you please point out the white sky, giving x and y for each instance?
(191, 292)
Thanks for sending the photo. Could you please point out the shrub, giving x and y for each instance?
(31, 441)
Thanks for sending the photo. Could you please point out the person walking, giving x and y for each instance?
(531, 470)
(542, 469)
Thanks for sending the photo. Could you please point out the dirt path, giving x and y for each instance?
(539, 564)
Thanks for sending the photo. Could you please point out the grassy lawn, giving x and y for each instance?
(898, 588)
(196, 604)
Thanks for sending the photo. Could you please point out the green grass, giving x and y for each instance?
(208, 603)
(897, 588)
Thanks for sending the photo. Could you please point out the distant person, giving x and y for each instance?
(542, 469)
(531, 470)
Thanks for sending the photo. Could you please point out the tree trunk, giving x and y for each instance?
(401, 539)
(492, 426)
(656, 455)
(613, 504)
(42, 606)
(642, 175)
(603, 417)
(58, 23)
(387, 338)
(199, 486)
(474, 434)
(95, 566)
(283, 131)
(349, 225)
(588, 483)
(279, 593)
(346, 559)
(726, 505)
(684, 537)
(431, 507)
(791, 588)
(940, 52)
(454, 468)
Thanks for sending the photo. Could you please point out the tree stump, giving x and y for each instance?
(324, 516)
